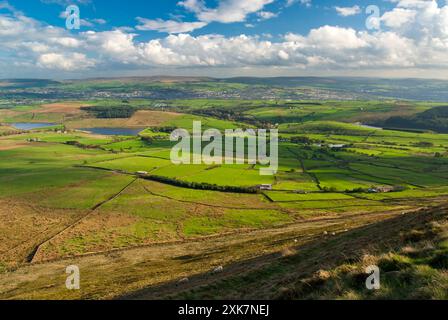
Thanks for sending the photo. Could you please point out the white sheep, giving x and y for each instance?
(218, 269)
(183, 280)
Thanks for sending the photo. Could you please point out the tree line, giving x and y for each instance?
(200, 185)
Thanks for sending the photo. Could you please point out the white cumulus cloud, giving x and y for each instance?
(348, 11)
(169, 26)
(65, 62)
(413, 36)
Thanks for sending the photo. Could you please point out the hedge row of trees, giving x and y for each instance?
(10, 133)
(82, 146)
(105, 112)
(164, 129)
(201, 186)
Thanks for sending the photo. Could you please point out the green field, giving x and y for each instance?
(68, 193)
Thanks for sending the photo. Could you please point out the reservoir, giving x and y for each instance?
(31, 125)
(114, 131)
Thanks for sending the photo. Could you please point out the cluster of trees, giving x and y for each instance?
(238, 114)
(301, 140)
(435, 119)
(107, 112)
(148, 140)
(81, 145)
(10, 133)
(201, 186)
(230, 114)
(163, 129)
(424, 144)
(329, 189)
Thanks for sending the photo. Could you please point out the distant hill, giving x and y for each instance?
(369, 88)
(435, 119)
(26, 83)
(407, 89)
(313, 88)
(285, 81)
(153, 79)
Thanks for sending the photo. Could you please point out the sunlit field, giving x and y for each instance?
(67, 193)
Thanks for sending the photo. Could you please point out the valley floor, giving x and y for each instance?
(68, 197)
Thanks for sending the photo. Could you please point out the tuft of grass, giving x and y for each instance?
(439, 261)
(414, 236)
(394, 262)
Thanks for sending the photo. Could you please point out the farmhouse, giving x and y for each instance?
(331, 146)
(383, 189)
(336, 146)
(33, 140)
(266, 187)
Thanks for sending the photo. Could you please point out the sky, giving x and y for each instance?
(223, 38)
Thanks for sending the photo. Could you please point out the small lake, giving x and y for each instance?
(31, 125)
(114, 131)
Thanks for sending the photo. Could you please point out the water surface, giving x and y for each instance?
(114, 131)
(31, 125)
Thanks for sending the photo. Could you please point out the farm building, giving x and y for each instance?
(336, 146)
(384, 189)
(266, 187)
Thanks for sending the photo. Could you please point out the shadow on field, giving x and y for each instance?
(261, 277)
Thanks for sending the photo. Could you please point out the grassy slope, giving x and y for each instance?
(412, 256)
(128, 270)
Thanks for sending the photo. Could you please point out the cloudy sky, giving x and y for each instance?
(382, 38)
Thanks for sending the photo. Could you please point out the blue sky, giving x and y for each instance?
(224, 38)
(296, 17)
